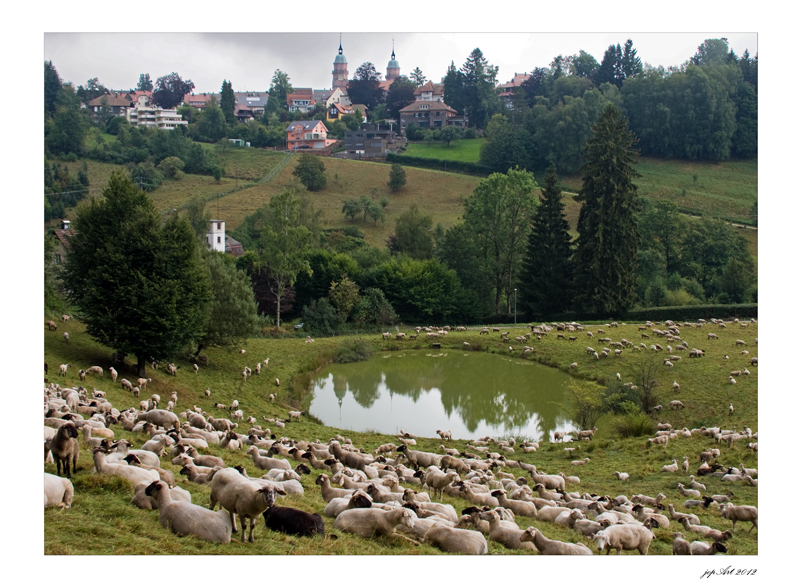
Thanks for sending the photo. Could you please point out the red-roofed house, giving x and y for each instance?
(507, 89)
(307, 134)
(301, 99)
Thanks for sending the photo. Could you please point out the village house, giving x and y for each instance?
(371, 140)
(307, 134)
(430, 114)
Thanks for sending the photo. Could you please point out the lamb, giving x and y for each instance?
(622, 475)
(552, 547)
(373, 522)
(65, 447)
(740, 513)
(62, 370)
(580, 462)
(453, 540)
(185, 518)
(621, 537)
(293, 521)
(58, 492)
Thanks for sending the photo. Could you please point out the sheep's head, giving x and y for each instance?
(718, 546)
(153, 488)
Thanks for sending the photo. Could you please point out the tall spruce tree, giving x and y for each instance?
(546, 279)
(605, 255)
(227, 102)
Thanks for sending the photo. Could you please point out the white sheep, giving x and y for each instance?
(185, 518)
(670, 467)
(580, 462)
(58, 492)
(625, 536)
(622, 475)
(373, 522)
(454, 540)
(551, 546)
(740, 513)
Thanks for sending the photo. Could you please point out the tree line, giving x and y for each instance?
(706, 109)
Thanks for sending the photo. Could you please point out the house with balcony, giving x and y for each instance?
(199, 101)
(256, 101)
(302, 99)
(370, 141)
(430, 114)
(154, 117)
(307, 135)
(430, 92)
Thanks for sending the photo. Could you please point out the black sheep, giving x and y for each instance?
(293, 521)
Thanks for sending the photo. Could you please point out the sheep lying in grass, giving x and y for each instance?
(702, 548)
(58, 492)
(143, 501)
(133, 474)
(373, 522)
(706, 531)
(510, 538)
(552, 547)
(626, 536)
(185, 518)
(293, 521)
(453, 540)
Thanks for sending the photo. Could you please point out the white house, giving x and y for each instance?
(141, 115)
(215, 239)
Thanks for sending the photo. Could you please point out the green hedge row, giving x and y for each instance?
(439, 164)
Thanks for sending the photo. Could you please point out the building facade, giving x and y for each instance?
(307, 134)
(340, 70)
(371, 140)
(428, 114)
(154, 117)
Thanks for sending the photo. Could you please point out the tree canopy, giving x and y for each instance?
(170, 90)
(140, 284)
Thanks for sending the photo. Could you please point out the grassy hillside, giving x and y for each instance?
(725, 189)
(102, 520)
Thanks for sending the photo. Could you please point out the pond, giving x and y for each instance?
(473, 394)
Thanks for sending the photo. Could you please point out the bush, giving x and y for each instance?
(310, 170)
(146, 177)
(635, 424)
(397, 177)
(353, 351)
(320, 318)
(171, 167)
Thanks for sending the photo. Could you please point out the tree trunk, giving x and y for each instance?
(199, 347)
(140, 365)
(278, 312)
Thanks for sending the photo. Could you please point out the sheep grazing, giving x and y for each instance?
(62, 370)
(58, 492)
(740, 513)
(293, 521)
(66, 336)
(552, 547)
(95, 370)
(185, 518)
(373, 522)
(65, 448)
(445, 435)
(453, 540)
(277, 383)
(51, 325)
(626, 536)
(622, 475)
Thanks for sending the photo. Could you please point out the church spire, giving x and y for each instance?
(340, 43)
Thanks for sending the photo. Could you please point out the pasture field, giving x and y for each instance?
(465, 150)
(102, 520)
(726, 189)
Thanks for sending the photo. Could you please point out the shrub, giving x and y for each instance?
(146, 177)
(320, 318)
(353, 351)
(310, 170)
(397, 177)
(171, 167)
(635, 424)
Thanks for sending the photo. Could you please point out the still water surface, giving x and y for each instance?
(472, 394)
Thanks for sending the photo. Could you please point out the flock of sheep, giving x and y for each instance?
(391, 491)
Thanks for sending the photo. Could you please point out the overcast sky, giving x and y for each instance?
(249, 60)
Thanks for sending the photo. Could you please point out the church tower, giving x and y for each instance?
(340, 70)
(393, 68)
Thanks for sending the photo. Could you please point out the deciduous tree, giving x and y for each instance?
(310, 170)
(145, 83)
(141, 286)
(170, 90)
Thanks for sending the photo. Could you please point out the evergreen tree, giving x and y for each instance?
(481, 100)
(397, 177)
(140, 284)
(605, 255)
(52, 85)
(546, 279)
(417, 77)
(454, 88)
(631, 65)
(227, 102)
(145, 83)
(610, 69)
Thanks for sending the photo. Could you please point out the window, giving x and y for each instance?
(219, 225)
(219, 239)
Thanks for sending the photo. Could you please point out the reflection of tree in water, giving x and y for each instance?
(479, 388)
